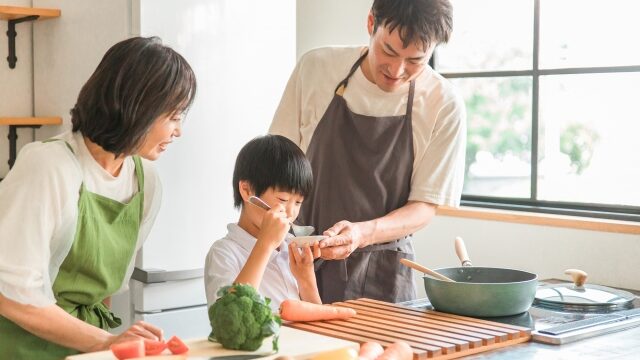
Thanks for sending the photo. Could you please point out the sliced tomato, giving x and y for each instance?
(128, 349)
(176, 346)
(152, 347)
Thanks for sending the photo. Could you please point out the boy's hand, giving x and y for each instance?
(301, 262)
(274, 227)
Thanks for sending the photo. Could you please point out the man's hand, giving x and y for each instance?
(343, 238)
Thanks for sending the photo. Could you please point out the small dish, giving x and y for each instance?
(302, 241)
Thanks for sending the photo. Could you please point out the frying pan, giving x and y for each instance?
(481, 291)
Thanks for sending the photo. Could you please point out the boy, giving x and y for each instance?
(255, 249)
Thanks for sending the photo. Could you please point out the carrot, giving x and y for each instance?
(298, 310)
(370, 351)
(397, 351)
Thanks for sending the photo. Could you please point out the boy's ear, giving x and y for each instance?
(245, 189)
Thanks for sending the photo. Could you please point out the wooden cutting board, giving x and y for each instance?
(295, 343)
(430, 334)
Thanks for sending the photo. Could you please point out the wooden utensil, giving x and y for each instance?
(423, 269)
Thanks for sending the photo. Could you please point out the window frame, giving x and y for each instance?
(533, 204)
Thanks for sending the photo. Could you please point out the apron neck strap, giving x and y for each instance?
(139, 172)
(412, 87)
(343, 84)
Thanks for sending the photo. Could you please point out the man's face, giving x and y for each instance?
(389, 64)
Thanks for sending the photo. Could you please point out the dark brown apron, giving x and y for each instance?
(362, 168)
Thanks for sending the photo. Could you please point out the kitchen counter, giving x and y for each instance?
(620, 345)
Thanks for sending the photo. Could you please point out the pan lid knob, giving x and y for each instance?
(579, 277)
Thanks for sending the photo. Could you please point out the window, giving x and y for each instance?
(552, 89)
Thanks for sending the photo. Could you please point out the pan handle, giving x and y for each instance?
(461, 251)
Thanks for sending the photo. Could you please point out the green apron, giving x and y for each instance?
(95, 268)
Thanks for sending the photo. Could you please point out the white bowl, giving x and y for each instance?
(302, 241)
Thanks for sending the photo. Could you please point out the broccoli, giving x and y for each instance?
(241, 318)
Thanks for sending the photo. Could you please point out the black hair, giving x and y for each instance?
(272, 161)
(425, 21)
(137, 81)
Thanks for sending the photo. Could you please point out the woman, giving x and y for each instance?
(76, 208)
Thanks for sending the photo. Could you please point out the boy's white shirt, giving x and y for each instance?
(228, 255)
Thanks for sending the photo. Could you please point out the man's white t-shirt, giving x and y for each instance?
(228, 256)
(438, 118)
(39, 212)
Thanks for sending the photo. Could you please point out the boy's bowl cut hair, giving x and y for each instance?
(272, 161)
(137, 81)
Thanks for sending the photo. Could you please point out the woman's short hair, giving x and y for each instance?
(272, 161)
(138, 80)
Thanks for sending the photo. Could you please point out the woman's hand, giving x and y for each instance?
(139, 330)
(301, 264)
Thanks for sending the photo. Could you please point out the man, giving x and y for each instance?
(385, 135)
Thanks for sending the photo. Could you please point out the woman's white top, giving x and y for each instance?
(39, 211)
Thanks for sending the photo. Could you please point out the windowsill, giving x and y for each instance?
(575, 222)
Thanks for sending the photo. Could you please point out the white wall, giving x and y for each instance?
(68, 49)
(54, 61)
(16, 85)
(609, 258)
(331, 22)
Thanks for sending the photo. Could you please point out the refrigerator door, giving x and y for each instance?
(242, 52)
(186, 323)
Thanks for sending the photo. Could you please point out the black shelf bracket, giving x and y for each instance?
(11, 34)
(13, 138)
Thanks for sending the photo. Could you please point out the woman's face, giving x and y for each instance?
(161, 134)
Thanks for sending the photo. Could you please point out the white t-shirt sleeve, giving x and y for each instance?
(152, 201)
(288, 115)
(39, 200)
(221, 268)
(439, 171)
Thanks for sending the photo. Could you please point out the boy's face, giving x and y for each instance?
(274, 197)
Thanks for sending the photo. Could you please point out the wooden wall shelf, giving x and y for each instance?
(18, 12)
(16, 15)
(30, 121)
(22, 122)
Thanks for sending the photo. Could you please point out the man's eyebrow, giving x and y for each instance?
(395, 53)
(390, 49)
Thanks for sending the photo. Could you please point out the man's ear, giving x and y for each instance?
(370, 22)
(246, 191)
